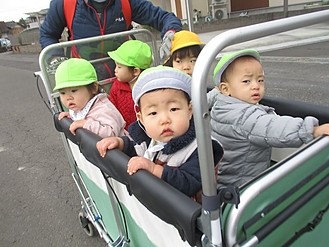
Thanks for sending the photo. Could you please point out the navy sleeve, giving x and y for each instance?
(128, 147)
(145, 13)
(187, 177)
(53, 25)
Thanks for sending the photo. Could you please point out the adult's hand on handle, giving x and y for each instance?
(166, 44)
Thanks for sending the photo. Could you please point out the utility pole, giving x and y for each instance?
(189, 17)
(285, 8)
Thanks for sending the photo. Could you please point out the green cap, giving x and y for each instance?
(74, 72)
(227, 59)
(133, 53)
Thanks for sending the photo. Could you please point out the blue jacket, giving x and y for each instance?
(86, 22)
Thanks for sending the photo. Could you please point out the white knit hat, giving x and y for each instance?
(161, 77)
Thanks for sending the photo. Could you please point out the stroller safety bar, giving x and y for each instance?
(160, 198)
(297, 108)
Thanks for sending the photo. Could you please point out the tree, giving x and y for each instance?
(22, 22)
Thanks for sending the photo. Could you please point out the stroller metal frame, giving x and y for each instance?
(201, 111)
(89, 208)
(198, 225)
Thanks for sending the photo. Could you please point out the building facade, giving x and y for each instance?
(222, 9)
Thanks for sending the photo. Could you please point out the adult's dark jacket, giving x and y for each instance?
(87, 23)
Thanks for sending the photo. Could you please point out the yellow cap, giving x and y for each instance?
(183, 39)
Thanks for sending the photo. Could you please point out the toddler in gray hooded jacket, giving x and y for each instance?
(247, 129)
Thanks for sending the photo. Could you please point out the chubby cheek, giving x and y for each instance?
(262, 91)
(152, 131)
(149, 125)
(176, 65)
(63, 99)
(141, 119)
(187, 124)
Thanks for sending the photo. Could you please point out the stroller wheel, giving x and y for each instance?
(87, 226)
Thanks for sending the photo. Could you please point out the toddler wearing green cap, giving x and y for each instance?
(163, 139)
(131, 58)
(76, 81)
(247, 129)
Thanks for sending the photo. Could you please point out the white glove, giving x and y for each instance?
(166, 44)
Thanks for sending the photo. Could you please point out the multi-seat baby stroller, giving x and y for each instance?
(286, 205)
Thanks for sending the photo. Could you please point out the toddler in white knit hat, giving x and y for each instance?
(164, 141)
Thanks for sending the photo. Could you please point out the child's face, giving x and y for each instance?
(165, 114)
(245, 80)
(123, 73)
(185, 64)
(75, 98)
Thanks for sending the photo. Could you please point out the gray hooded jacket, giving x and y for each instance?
(247, 133)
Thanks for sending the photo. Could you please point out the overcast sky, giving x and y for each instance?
(13, 10)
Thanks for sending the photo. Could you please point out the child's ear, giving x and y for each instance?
(137, 71)
(139, 117)
(95, 88)
(190, 110)
(224, 89)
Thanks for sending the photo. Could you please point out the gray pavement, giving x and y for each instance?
(302, 36)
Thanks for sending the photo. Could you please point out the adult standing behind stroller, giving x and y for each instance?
(89, 18)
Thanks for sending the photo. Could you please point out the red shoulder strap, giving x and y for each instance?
(70, 5)
(126, 10)
(69, 10)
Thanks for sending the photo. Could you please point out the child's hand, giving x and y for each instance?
(321, 130)
(136, 163)
(63, 115)
(109, 143)
(77, 124)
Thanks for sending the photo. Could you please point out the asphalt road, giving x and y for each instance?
(39, 201)
(299, 73)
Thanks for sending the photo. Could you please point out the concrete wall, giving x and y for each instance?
(225, 24)
(26, 41)
(203, 5)
(164, 4)
(29, 36)
(276, 3)
(34, 48)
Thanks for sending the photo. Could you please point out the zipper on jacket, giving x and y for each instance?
(98, 17)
